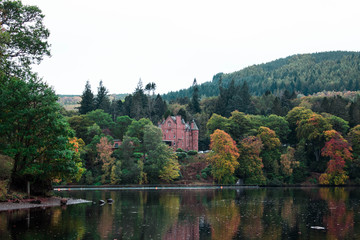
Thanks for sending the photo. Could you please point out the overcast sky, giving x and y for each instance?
(172, 42)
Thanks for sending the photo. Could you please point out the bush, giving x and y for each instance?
(179, 150)
(192, 152)
(206, 172)
(137, 155)
(181, 155)
(198, 177)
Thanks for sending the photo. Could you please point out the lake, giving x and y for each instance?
(208, 213)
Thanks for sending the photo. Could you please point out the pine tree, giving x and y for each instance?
(102, 100)
(195, 100)
(245, 105)
(87, 100)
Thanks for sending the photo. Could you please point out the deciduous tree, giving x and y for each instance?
(250, 162)
(23, 37)
(339, 152)
(35, 135)
(223, 159)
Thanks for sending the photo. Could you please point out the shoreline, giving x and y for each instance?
(45, 203)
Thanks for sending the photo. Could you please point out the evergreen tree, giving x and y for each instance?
(195, 100)
(245, 104)
(139, 103)
(102, 100)
(87, 100)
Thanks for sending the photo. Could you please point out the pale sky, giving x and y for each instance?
(172, 42)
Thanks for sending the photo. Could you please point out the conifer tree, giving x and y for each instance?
(102, 100)
(195, 100)
(87, 100)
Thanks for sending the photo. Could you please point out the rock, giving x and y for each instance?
(101, 201)
(63, 201)
(35, 201)
(110, 200)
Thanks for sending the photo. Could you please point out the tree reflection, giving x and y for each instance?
(339, 221)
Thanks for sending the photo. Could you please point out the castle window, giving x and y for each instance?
(174, 136)
(169, 124)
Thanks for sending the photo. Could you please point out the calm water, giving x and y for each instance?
(271, 213)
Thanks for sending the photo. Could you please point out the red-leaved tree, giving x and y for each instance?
(339, 151)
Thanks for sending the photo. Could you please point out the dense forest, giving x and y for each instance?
(302, 73)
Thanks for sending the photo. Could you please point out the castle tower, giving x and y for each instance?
(195, 136)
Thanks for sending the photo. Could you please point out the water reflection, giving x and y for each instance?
(194, 214)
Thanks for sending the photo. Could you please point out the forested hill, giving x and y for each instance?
(304, 73)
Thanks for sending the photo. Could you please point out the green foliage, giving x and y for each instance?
(302, 73)
(136, 128)
(101, 118)
(87, 103)
(238, 125)
(102, 100)
(121, 125)
(23, 37)
(36, 135)
(217, 122)
(192, 152)
(250, 162)
(181, 155)
(337, 123)
(270, 153)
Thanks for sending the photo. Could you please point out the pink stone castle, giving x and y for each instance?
(178, 134)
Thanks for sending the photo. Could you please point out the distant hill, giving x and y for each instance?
(71, 102)
(303, 73)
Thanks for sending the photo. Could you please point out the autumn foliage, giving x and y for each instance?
(251, 165)
(224, 156)
(339, 151)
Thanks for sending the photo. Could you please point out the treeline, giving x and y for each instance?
(141, 104)
(278, 139)
(302, 73)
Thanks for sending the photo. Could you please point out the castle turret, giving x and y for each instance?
(195, 136)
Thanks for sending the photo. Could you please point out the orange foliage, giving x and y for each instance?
(224, 156)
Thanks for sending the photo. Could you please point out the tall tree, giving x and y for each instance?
(104, 150)
(23, 37)
(35, 135)
(102, 100)
(87, 100)
(223, 159)
(339, 152)
(195, 100)
(270, 153)
(250, 162)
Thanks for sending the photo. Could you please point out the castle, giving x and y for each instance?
(178, 134)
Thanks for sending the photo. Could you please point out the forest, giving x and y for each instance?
(302, 73)
(268, 139)
(290, 121)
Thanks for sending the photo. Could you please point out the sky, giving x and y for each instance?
(172, 42)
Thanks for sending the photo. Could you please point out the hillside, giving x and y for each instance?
(303, 73)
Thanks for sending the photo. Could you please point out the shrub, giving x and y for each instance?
(198, 177)
(192, 152)
(181, 155)
(179, 150)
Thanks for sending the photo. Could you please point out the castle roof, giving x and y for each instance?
(195, 127)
